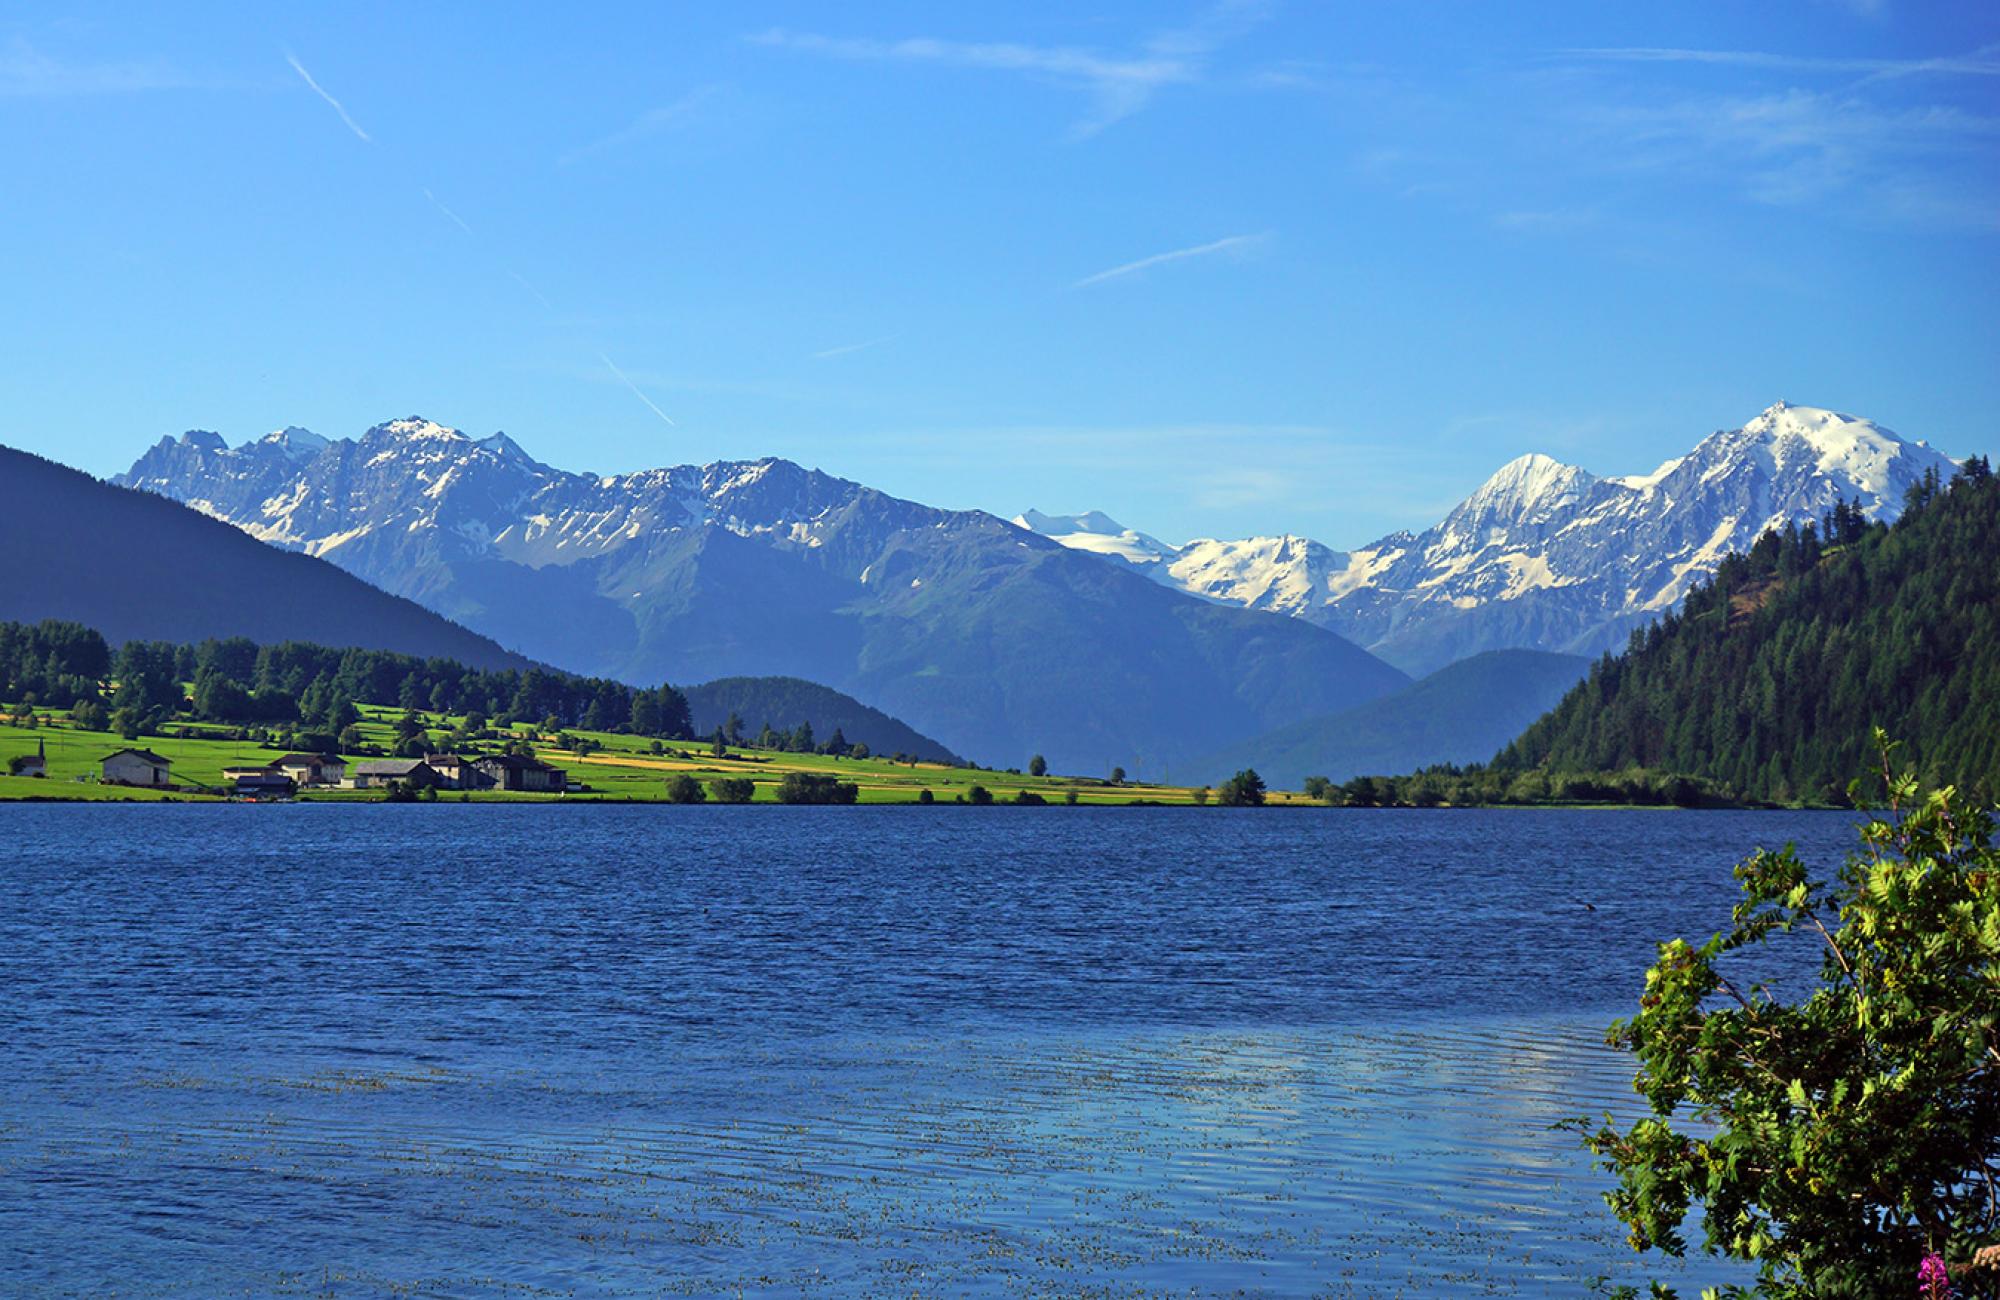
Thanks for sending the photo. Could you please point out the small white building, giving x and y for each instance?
(136, 767)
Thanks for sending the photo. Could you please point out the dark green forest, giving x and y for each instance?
(312, 689)
(1765, 685)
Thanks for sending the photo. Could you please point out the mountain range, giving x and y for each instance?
(136, 567)
(1072, 636)
(1544, 555)
(995, 641)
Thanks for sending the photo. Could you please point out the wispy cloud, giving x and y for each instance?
(844, 349)
(1546, 219)
(319, 90)
(650, 123)
(1232, 244)
(637, 392)
(28, 71)
(1863, 141)
(1121, 84)
(1919, 163)
(1980, 63)
(1224, 488)
(438, 203)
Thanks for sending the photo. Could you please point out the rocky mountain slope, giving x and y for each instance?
(998, 642)
(1544, 555)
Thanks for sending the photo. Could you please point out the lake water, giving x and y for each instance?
(442, 1050)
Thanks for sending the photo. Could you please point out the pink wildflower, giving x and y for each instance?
(1933, 1278)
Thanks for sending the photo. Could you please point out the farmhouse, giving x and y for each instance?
(513, 772)
(312, 769)
(135, 767)
(35, 764)
(261, 782)
(381, 771)
(455, 772)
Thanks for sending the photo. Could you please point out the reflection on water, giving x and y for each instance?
(330, 1054)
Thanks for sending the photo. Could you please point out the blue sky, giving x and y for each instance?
(1216, 269)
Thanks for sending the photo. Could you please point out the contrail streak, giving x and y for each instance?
(540, 297)
(846, 348)
(1232, 244)
(636, 392)
(319, 90)
(438, 203)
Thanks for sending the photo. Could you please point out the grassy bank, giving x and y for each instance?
(619, 768)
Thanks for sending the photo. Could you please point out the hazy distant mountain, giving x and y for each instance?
(135, 566)
(1546, 555)
(785, 702)
(1463, 713)
(996, 641)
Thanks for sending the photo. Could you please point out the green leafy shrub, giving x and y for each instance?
(815, 788)
(682, 788)
(732, 789)
(1244, 790)
(1840, 1139)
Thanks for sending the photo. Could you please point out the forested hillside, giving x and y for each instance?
(758, 703)
(306, 692)
(1458, 714)
(1769, 679)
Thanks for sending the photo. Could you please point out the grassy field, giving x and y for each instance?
(623, 770)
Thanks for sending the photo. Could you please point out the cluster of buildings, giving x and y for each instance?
(291, 773)
(453, 772)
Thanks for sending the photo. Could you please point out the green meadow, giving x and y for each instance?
(619, 768)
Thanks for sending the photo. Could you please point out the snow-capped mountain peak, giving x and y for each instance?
(1545, 555)
(416, 426)
(504, 447)
(1526, 487)
(1845, 446)
(298, 443)
(1098, 533)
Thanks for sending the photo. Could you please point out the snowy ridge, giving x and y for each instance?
(1096, 532)
(1545, 555)
(427, 483)
(1542, 555)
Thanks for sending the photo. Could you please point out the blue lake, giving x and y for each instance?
(443, 1050)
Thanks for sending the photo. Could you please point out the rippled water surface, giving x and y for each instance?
(440, 1050)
